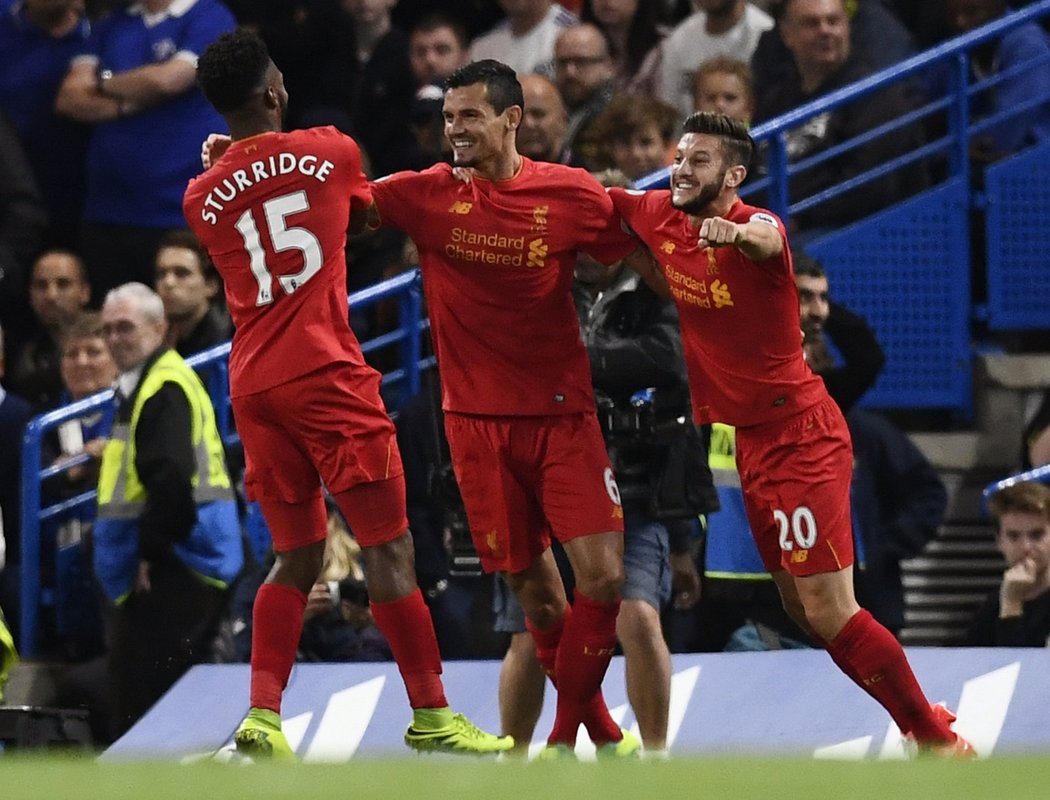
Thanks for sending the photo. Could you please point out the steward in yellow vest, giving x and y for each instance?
(136, 524)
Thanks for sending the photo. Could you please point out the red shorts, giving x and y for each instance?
(795, 475)
(525, 479)
(328, 426)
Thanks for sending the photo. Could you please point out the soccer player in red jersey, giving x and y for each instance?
(728, 267)
(273, 214)
(498, 254)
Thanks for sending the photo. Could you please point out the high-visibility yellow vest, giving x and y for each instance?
(8, 653)
(213, 550)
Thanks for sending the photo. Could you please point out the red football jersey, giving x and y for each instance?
(739, 318)
(273, 214)
(498, 260)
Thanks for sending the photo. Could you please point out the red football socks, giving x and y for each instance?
(874, 660)
(587, 644)
(600, 725)
(547, 641)
(277, 622)
(409, 630)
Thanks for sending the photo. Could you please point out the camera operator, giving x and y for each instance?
(660, 460)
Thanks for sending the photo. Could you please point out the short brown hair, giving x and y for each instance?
(87, 325)
(737, 144)
(626, 114)
(1031, 497)
(185, 240)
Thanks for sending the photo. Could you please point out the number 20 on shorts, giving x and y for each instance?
(800, 529)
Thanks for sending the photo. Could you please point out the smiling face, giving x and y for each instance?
(479, 136)
(130, 335)
(87, 366)
(698, 174)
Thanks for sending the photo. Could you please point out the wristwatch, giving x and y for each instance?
(103, 76)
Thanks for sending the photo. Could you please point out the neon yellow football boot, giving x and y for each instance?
(627, 747)
(260, 738)
(439, 730)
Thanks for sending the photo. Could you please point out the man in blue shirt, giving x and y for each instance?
(134, 81)
(37, 40)
(1005, 56)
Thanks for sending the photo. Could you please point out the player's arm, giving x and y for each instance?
(757, 239)
(642, 262)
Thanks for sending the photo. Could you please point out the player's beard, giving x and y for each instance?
(698, 205)
(463, 161)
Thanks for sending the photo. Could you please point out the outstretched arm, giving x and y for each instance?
(756, 239)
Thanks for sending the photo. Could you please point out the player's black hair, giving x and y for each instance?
(232, 69)
(805, 264)
(737, 144)
(502, 84)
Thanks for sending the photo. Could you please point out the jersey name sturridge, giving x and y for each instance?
(258, 171)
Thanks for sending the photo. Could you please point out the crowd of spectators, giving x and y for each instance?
(101, 126)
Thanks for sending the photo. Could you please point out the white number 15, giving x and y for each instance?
(283, 238)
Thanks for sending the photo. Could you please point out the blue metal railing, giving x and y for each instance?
(1041, 474)
(953, 55)
(907, 267)
(407, 288)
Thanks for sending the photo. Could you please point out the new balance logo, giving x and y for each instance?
(667, 247)
(461, 207)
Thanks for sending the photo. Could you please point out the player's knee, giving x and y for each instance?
(544, 615)
(604, 586)
(301, 566)
(390, 567)
(827, 619)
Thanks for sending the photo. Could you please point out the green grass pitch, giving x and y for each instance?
(423, 778)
